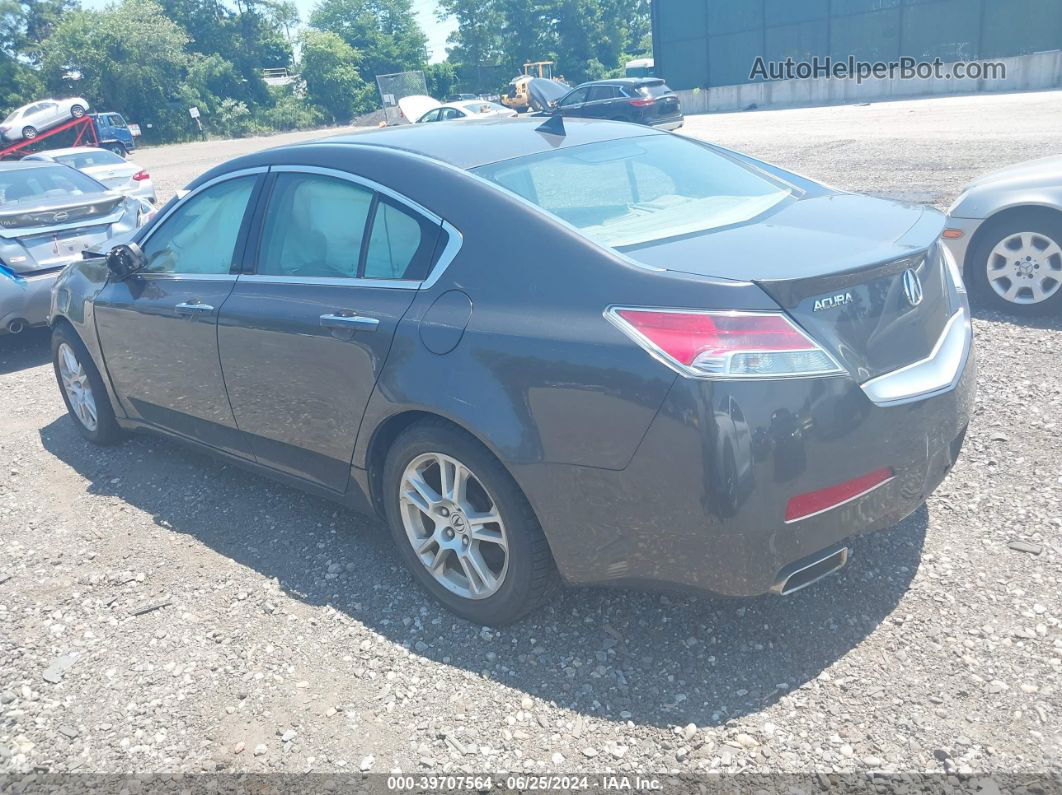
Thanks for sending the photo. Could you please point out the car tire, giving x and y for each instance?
(523, 572)
(118, 149)
(77, 111)
(1032, 243)
(78, 377)
(29, 133)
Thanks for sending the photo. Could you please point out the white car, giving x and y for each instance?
(115, 172)
(30, 120)
(467, 109)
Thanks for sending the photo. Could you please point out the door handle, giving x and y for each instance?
(192, 310)
(352, 322)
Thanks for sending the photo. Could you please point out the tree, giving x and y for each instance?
(129, 57)
(441, 79)
(385, 33)
(329, 67)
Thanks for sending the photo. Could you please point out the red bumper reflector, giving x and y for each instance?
(804, 505)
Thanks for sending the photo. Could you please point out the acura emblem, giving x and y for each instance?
(912, 287)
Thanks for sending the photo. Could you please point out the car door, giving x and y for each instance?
(51, 113)
(599, 102)
(572, 103)
(158, 328)
(33, 116)
(303, 337)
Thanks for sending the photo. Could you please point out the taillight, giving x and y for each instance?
(141, 175)
(642, 103)
(703, 344)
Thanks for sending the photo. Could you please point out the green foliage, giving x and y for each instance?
(441, 79)
(290, 110)
(330, 71)
(384, 33)
(588, 39)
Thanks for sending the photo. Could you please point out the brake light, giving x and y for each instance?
(644, 102)
(141, 175)
(815, 502)
(702, 344)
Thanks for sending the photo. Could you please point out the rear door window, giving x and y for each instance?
(401, 245)
(314, 227)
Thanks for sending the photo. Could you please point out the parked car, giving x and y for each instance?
(642, 100)
(1005, 231)
(29, 120)
(475, 109)
(690, 368)
(49, 213)
(113, 171)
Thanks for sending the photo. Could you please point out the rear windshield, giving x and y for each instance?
(10, 117)
(34, 184)
(100, 157)
(654, 90)
(636, 190)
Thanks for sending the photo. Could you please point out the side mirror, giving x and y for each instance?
(125, 259)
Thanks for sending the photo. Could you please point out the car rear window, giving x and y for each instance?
(33, 184)
(88, 159)
(654, 90)
(636, 190)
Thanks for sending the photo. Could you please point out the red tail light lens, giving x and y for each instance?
(642, 103)
(726, 344)
(806, 505)
(141, 175)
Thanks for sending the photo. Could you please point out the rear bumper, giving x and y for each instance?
(26, 300)
(671, 123)
(702, 504)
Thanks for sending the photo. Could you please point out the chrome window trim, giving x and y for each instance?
(331, 281)
(453, 245)
(184, 277)
(938, 372)
(181, 201)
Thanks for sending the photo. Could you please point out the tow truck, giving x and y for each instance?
(106, 130)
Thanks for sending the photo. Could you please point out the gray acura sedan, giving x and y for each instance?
(683, 368)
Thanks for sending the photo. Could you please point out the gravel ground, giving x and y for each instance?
(160, 611)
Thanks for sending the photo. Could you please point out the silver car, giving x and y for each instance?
(49, 214)
(27, 122)
(114, 171)
(1005, 230)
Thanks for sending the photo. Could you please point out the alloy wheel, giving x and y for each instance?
(77, 387)
(1025, 268)
(454, 526)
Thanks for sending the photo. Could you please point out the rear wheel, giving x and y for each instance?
(463, 527)
(29, 133)
(77, 111)
(1016, 263)
(118, 149)
(82, 389)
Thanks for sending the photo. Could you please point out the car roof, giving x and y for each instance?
(70, 150)
(488, 140)
(622, 81)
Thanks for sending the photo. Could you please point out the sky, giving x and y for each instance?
(437, 32)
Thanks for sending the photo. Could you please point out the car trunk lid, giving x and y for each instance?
(862, 276)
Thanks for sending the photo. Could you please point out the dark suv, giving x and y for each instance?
(643, 100)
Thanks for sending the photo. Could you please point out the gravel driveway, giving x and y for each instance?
(161, 611)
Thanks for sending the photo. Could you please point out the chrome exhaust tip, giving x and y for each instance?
(808, 573)
(16, 326)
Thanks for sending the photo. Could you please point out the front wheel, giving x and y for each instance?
(77, 111)
(118, 149)
(82, 389)
(463, 527)
(1016, 264)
